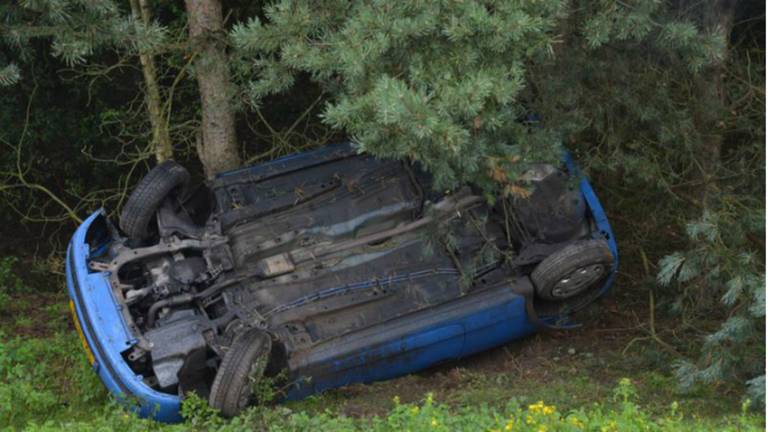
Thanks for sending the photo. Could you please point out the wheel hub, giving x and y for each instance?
(579, 280)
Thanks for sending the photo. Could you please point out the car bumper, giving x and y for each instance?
(104, 333)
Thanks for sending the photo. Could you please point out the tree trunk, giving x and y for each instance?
(161, 140)
(710, 95)
(218, 145)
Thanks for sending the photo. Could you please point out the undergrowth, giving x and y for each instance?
(619, 413)
(47, 385)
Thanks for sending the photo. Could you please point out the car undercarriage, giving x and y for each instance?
(309, 263)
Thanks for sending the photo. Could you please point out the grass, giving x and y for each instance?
(578, 380)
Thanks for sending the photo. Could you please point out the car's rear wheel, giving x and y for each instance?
(240, 371)
(139, 211)
(572, 270)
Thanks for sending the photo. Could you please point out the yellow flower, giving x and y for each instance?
(509, 426)
(576, 422)
(542, 428)
(529, 420)
(548, 410)
(434, 422)
(537, 407)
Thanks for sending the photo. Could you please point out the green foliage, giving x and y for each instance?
(656, 24)
(628, 99)
(20, 397)
(9, 282)
(723, 259)
(39, 376)
(76, 28)
(621, 414)
(438, 82)
(73, 60)
(721, 271)
(198, 414)
(47, 385)
(9, 74)
(678, 116)
(636, 87)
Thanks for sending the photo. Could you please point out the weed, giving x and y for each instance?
(43, 378)
(23, 321)
(196, 411)
(37, 394)
(9, 282)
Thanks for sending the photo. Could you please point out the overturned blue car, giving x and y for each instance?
(323, 269)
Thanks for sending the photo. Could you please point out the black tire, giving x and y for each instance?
(138, 213)
(572, 270)
(243, 364)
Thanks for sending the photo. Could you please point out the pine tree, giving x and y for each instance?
(635, 87)
(437, 82)
(76, 30)
(673, 109)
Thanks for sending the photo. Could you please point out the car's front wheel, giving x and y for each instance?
(572, 270)
(139, 211)
(240, 371)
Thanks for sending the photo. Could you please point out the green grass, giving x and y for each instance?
(46, 378)
(620, 412)
(46, 384)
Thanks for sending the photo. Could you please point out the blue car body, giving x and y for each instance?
(450, 330)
